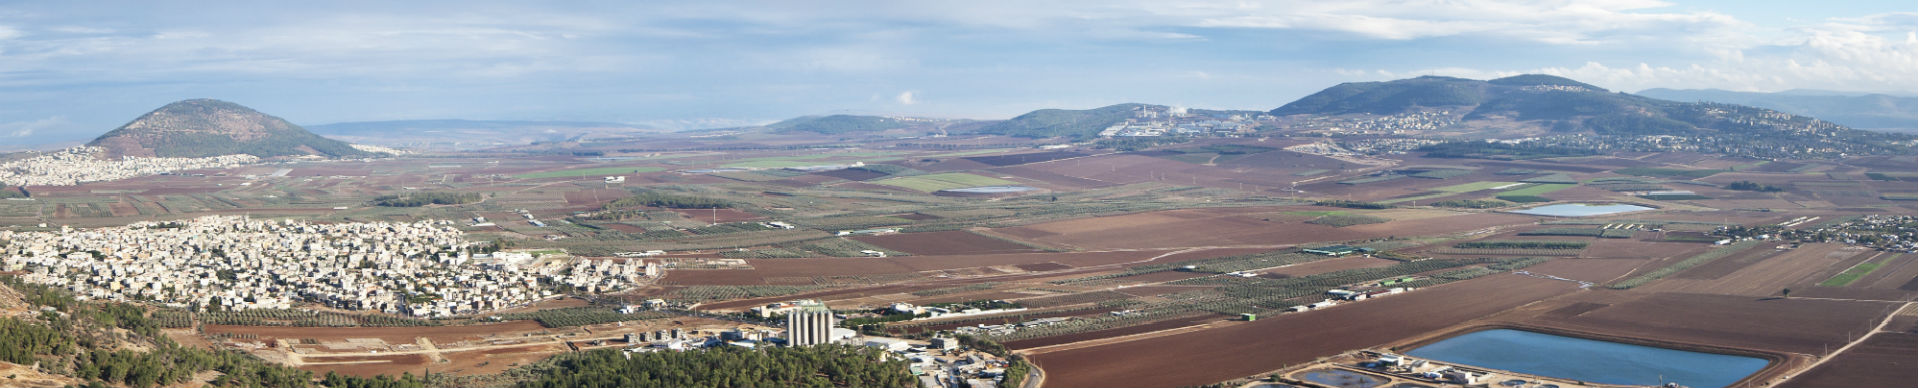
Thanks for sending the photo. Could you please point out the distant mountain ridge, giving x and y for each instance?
(1869, 111)
(1085, 123)
(460, 135)
(838, 124)
(1558, 103)
(1530, 95)
(1536, 105)
(207, 127)
(1062, 122)
(376, 127)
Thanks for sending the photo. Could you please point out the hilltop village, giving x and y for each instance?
(78, 165)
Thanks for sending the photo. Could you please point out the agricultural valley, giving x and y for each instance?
(1134, 245)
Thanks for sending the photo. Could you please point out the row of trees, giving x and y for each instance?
(1352, 204)
(1471, 203)
(659, 199)
(425, 198)
(1754, 186)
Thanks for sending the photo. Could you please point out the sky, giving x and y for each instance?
(70, 71)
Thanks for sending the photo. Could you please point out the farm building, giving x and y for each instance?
(1337, 250)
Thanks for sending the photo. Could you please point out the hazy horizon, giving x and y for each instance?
(76, 71)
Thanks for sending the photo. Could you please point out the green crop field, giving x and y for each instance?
(1456, 189)
(809, 160)
(947, 181)
(1476, 186)
(1851, 275)
(1442, 173)
(588, 172)
(1537, 190)
(1532, 193)
(1550, 178)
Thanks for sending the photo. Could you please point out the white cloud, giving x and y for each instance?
(906, 98)
(1875, 53)
(85, 30)
(330, 45)
(27, 128)
(1556, 21)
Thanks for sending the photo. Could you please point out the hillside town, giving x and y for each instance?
(423, 269)
(1148, 120)
(78, 165)
(1409, 123)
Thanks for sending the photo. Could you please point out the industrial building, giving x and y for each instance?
(810, 324)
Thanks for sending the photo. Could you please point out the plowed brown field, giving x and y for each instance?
(1769, 324)
(1237, 349)
(1591, 270)
(1802, 267)
(1883, 360)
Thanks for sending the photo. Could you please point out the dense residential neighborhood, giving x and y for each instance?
(420, 268)
(78, 165)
